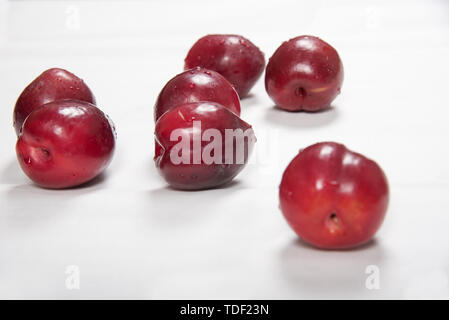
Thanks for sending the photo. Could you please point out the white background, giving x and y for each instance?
(132, 237)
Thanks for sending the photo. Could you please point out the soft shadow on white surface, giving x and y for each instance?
(30, 204)
(249, 101)
(330, 274)
(301, 119)
(11, 173)
(151, 171)
(189, 205)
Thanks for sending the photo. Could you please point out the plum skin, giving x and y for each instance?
(332, 197)
(65, 143)
(52, 85)
(304, 73)
(197, 84)
(198, 176)
(233, 56)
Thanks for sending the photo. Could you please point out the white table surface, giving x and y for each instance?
(132, 237)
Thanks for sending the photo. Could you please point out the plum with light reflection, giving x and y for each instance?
(332, 197)
(233, 56)
(52, 85)
(194, 85)
(201, 145)
(65, 143)
(305, 73)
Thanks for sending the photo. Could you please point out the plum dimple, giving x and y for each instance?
(65, 143)
(332, 197)
(304, 73)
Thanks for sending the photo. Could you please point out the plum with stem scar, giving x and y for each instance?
(65, 143)
(305, 73)
(332, 197)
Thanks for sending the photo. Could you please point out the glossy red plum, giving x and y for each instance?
(201, 145)
(65, 143)
(233, 56)
(305, 73)
(52, 85)
(195, 85)
(333, 198)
